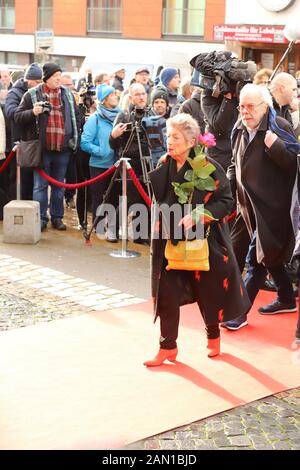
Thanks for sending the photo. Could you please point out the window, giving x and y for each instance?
(45, 14)
(7, 14)
(104, 16)
(183, 17)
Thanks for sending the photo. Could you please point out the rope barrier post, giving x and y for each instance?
(18, 173)
(124, 253)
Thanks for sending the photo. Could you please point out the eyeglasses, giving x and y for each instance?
(248, 107)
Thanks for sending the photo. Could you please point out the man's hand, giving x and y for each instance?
(118, 130)
(37, 108)
(270, 138)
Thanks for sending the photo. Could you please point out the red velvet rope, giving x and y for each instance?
(7, 161)
(76, 185)
(139, 187)
(107, 173)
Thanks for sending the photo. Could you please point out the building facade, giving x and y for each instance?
(254, 29)
(67, 30)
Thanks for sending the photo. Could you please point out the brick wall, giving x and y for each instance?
(26, 16)
(214, 14)
(142, 19)
(69, 17)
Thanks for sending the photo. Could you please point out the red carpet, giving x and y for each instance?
(80, 384)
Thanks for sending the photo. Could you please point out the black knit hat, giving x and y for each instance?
(159, 93)
(49, 69)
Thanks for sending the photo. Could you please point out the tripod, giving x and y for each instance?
(146, 160)
(146, 164)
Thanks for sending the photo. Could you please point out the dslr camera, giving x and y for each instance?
(46, 107)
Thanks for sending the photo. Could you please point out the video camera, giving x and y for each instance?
(88, 92)
(139, 113)
(221, 72)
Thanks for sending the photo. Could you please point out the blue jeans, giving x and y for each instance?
(256, 274)
(55, 165)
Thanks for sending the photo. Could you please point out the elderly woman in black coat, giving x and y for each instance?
(219, 292)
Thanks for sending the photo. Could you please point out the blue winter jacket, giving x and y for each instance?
(95, 141)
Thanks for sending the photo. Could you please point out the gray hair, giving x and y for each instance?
(262, 91)
(135, 86)
(186, 124)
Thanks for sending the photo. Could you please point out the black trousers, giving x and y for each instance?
(169, 308)
(240, 241)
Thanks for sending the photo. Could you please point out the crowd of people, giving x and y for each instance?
(84, 130)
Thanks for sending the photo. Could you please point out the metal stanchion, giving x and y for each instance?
(18, 173)
(124, 253)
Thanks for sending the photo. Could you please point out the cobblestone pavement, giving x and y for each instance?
(30, 294)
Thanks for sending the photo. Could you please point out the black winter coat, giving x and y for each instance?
(221, 289)
(220, 114)
(13, 99)
(192, 106)
(32, 127)
(264, 180)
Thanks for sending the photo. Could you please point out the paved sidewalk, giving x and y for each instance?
(30, 294)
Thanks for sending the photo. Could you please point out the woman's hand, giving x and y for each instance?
(187, 222)
(118, 130)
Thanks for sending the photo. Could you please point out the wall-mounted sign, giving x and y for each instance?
(250, 33)
(275, 5)
(44, 42)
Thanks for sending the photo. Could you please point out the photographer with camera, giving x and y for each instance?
(128, 126)
(49, 112)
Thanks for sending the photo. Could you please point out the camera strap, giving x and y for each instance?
(34, 99)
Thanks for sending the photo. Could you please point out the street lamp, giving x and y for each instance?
(292, 33)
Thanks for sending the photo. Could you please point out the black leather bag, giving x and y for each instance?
(29, 154)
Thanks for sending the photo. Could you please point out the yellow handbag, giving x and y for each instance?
(188, 255)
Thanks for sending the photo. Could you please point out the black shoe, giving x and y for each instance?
(142, 241)
(70, 203)
(277, 307)
(58, 224)
(235, 324)
(269, 285)
(82, 226)
(43, 226)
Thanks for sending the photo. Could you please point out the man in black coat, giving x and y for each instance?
(262, 175)
(49, 112)
(32, 77)
(118, 80)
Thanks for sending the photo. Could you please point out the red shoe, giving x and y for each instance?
(161, 356)
(213, 346)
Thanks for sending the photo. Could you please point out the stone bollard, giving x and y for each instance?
(21, 222)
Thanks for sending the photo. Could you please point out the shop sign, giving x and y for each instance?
(250, 33)
(44, 42)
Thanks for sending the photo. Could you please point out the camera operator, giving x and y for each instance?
(220, 114)
(125, 121)
(49, 112)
